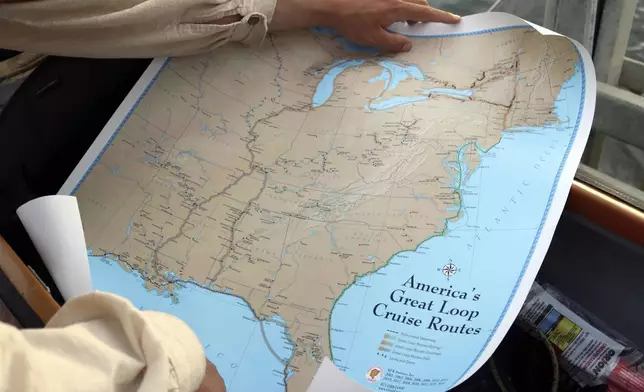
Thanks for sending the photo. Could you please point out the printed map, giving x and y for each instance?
(273, 197)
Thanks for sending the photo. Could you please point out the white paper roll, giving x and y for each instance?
(330, 378)
(55, 228)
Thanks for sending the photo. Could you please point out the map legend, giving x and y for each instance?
(409, 349)
(386, 345)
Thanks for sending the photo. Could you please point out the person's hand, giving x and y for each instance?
(212, 381)
(361, 21)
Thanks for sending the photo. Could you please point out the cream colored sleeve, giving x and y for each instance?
(100, 342)
(130, 28)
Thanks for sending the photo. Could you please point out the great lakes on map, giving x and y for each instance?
(260, 194)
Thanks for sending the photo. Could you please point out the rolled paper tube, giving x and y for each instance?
(55, 228)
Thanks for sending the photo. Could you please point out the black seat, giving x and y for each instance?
(46, 127)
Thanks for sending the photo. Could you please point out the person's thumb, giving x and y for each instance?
(212, 381)
(391, 42)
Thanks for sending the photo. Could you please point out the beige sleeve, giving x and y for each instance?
(100, 342)
(130, 28)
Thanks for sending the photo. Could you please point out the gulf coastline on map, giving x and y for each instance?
(490, 216)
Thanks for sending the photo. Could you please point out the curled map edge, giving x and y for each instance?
(54, 226)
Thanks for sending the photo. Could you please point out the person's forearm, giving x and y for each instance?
(100, 342)
(131, 28)
(151, 28)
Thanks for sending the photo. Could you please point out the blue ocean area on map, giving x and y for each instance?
(520, 167)
(503, 204)
(226, 326)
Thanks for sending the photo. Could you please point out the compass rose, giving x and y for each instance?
(449, 270)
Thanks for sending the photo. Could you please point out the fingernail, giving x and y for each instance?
(406, 47)
(457, 17)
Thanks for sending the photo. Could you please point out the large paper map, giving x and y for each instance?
(310, 199)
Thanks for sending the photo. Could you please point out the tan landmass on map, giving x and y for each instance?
(227, 175)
